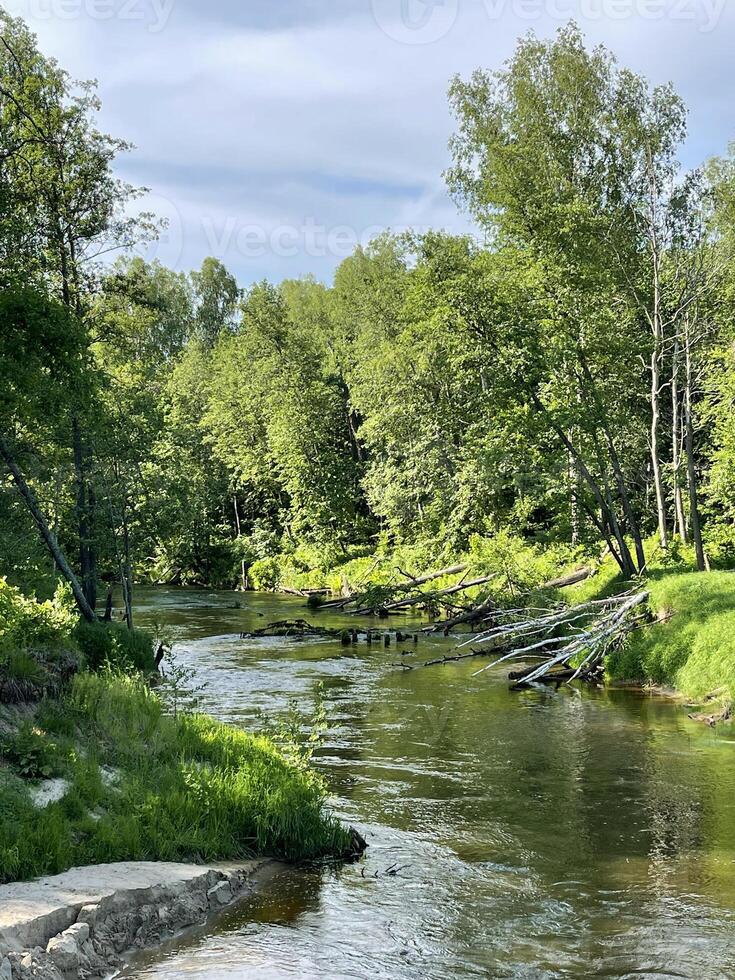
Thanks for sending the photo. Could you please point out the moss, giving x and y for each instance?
(691, 645)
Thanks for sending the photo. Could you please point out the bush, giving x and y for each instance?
(30, 753)
(116, 645)
(25, 623)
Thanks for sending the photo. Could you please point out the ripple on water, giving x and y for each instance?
(545, 834)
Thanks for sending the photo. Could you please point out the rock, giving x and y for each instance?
(49, 791)
(6, 970)
(79, 932)
(221, 894)
(88, 914)
(64, 952)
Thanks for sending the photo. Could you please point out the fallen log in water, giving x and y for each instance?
(588, 630)
(295, 629)
(358, 598)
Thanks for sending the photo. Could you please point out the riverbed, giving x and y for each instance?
(572, 833)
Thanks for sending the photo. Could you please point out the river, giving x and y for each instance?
(569, 833)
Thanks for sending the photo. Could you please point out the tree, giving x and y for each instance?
(217, 296)
(572, 159)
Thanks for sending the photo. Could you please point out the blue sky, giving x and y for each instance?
(275, 133)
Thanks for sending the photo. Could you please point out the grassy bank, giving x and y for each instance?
(691, 644)
(138, 783)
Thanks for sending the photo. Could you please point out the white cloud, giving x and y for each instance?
(330, 119)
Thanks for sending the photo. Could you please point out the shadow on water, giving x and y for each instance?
(541, 834)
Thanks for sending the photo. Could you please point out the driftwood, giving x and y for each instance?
(588, 631)
(422, 597)
(724, 715)
(290, 628)
(570, 643)
(295, 629)
(285, 590)
(572, 578)
(469, 617)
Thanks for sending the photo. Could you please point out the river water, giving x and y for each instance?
(570, 833)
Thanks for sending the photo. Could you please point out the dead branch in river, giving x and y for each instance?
(589, 631)
(571, 643)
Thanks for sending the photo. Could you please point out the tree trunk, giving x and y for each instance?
(46, 533)
(694, 519)
(681, 525)
(243, 564)
(127, 573)
(623, 555)
(658, 484)
(86, 560)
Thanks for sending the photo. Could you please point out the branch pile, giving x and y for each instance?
(572, 642)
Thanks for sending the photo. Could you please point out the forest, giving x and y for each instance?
(412, 588)
(562, 381)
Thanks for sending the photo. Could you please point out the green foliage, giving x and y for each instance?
(178, 689)
(30, 752)
(113, 644)
(299, 735)
(25, 623)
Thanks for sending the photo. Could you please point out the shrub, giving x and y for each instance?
(25, 623)
(31, 753)
(116, 645)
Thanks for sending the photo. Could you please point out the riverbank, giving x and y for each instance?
(685, 645)
(690, 643)
(99, 766)
(85, 922)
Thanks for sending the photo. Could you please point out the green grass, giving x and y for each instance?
(692, 648)
(186, 789)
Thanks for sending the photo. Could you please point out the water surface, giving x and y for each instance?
(570, 833)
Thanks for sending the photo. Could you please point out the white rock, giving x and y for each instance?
(49, 791)
(221, 893)
(64, 952)
(88, 914)
(79, 932)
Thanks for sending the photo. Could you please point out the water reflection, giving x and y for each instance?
(544, 833)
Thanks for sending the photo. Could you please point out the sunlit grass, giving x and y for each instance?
(185, 789)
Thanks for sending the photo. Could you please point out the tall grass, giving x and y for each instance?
(185, 789)
(691, 646)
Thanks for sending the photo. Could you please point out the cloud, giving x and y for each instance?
(293, 114)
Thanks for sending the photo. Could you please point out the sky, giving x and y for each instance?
(277, 134)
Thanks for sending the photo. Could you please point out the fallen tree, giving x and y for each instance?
(577, 636)
(421, 598)
(372, 595)
(570, 643)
